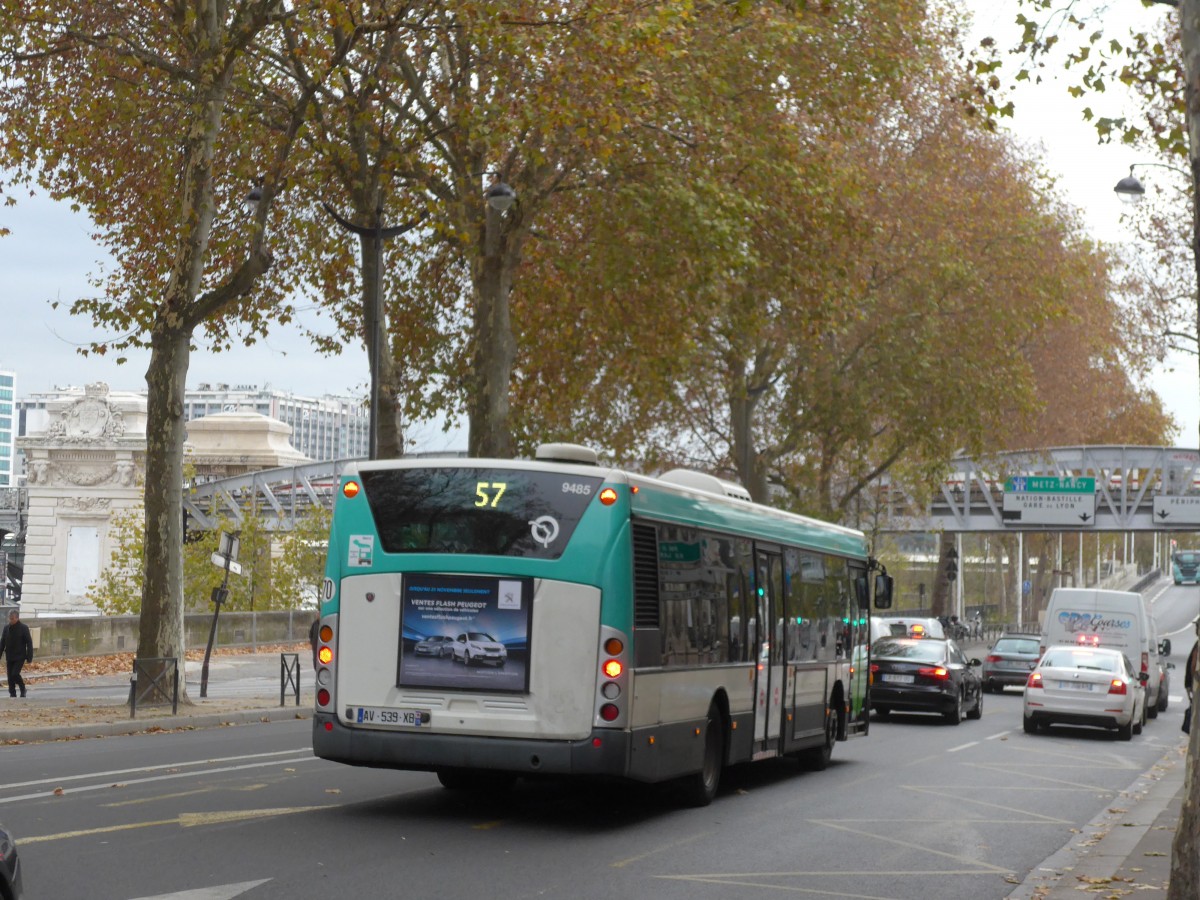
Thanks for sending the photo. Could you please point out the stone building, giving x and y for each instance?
(87, 467)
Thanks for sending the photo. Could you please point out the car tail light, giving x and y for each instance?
(874, 668)
(1146, 663)
(1034, 680)
(1118, 686)
(992, 657)
(941, 673)
(1088, 640)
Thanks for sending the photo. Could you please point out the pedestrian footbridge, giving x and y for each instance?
(1087, 488)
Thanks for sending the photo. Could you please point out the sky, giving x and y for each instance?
(49, 256)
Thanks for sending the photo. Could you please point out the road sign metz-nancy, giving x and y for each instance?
(1045, 500)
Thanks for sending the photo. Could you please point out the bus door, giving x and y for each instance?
(768, 703)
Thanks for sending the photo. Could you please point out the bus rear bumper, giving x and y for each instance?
(603, 753)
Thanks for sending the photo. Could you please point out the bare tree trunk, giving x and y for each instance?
(160, 628)
(495, 347)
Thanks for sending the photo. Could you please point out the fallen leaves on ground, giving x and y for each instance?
(122, 663)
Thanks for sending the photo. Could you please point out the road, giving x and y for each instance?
(918, 809)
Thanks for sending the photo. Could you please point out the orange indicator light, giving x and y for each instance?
(608, 496)
(325, 655)
(350, 489)
(613, 669)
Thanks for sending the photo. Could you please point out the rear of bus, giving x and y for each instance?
(497, 571)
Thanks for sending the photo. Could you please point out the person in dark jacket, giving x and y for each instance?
(16, 645)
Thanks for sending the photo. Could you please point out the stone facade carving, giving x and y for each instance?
(90, 419)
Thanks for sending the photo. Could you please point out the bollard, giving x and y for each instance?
(289, 675)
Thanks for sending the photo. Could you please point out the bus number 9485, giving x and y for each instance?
(574, 488)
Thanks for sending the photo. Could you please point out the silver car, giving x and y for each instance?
(1009, 661)
(477, 647)
(1079, 685)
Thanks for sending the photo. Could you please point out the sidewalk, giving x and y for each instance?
(1124, 851)
(240, 690)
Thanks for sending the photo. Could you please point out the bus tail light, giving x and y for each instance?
(323, 697)
(612, 679)
(325, 655)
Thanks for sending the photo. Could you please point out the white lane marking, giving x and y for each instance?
(175, 765)
(962, 747)
(85, 788)
(217, 892)
(998, 734)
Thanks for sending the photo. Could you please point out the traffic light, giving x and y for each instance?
(951, 564)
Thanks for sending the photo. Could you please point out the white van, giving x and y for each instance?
(1117, 619)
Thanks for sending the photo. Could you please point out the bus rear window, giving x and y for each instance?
(495, 512)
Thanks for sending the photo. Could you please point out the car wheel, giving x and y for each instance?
(883, 711)
(1125, 732)
(987, 687)
(1163, 693)
(1030, 725)
(977, 710)
(955, 716)
(1152, 708)
(700, 788)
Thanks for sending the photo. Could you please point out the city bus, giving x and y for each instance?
(1185, 566)
(488, 620)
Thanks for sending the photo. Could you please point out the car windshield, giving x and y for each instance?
(1016, 645)
(479, 636)
(1080, 659)
(923, 650)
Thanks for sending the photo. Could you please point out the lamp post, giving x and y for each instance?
(371, 240)
(1185, 848)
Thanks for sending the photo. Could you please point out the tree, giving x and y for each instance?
(133, 112)
(280, 569)
(1170, 87)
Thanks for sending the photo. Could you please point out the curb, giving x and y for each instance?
(158, 723)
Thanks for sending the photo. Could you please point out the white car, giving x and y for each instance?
(1080, 685)
(477, 647)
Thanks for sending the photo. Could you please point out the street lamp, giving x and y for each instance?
(374, 236)
(1131, 190)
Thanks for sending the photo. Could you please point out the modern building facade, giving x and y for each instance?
(322, 427)
(8, 429)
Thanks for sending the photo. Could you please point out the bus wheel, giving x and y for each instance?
(817, 758)
(700, 788)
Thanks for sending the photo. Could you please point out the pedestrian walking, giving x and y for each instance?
(16, 646)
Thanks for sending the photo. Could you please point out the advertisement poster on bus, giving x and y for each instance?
(465, 632)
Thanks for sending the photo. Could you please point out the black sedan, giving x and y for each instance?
(1010, 661)
(10, 867)
(925, 675)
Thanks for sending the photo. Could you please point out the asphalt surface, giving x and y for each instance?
(1126, 850)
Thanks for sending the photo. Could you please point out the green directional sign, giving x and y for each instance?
(1047, 500)
(1045, 484)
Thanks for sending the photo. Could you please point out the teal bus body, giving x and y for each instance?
(629, 648)
(1185, 566)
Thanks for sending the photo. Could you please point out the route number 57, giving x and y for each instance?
(489, 494)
